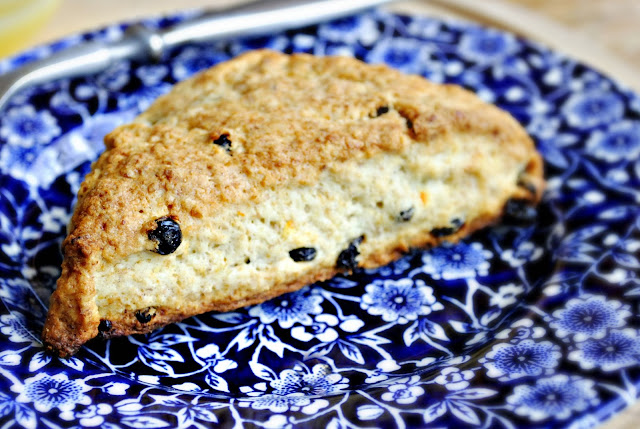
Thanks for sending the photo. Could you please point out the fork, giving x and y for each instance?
(142, 43)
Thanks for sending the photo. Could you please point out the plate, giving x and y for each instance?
(523, 325)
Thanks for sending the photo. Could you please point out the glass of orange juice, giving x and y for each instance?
(20, 20)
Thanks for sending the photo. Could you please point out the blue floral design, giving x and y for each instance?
(525, 252)
(289, 309)
(193, 60)
(558, 397)
(18, 161)
(578, 247)
(276, 43)
(188, 413)
(404, 391)
(94, 130)
(620, 141)
(115, 77)
(317, 381)
(484, 46)
(16, 292)
(507, 361)
(350, 30)
(407, 55)
(13, 327)
(507, 295)
(55, 219)
(399, 301)
(522, 329)
(618, 349)
(423, 27)
(65, 104)
(157, 350)
(283, 403)
(25, 127)
(295, 389)
(48, 392)
(322, 329)
(40, 167)
(152, 75)
(92, 416)
(588, 317)
(143, 98)
(590, 109)
(456, 261)
(454, 379)
(544, 127)
(214, 359)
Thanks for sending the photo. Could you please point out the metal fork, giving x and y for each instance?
(141, 43)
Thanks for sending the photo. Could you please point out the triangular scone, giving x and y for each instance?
(269, 172)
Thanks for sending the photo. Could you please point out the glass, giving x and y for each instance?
(20, 20)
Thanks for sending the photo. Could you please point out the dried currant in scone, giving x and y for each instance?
(145, 316)
(528, 186)
(224, 142)
(405, 215)
(382, 110)
(519, 212)
(303, 254)
(456, 224)
(105, 325)
(524, 182)
(167, 234)
(348, 258)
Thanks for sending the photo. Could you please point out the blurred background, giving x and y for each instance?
(611, 25)
(603, 33)
(21, 21)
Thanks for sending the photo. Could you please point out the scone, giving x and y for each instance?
(270, 172)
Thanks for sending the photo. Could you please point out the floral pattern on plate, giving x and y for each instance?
(529, 323)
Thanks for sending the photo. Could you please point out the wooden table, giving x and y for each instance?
(602, 33)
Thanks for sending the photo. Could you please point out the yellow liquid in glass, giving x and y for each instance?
(19, 21)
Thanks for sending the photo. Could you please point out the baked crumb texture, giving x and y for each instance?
(279, 171)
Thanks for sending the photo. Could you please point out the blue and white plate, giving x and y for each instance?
(518, 326)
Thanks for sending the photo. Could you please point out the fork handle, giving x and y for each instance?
(142, 43)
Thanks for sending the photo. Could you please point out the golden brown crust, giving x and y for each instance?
(288, 117)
